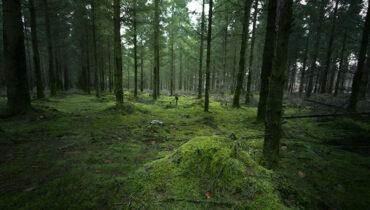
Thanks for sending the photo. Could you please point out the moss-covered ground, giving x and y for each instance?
(78, 152)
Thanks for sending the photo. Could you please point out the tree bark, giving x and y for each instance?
(110, 77)
(243, 48)
(268, 54)
(141, 66)
(96, 68)
(15, 58)
(118, 53)
(276, 92)
(208, 62)
(135, 47)
(88, 79)
(201, 50)
(180, 75)
(156, 50)
(330, 49)
(248, 95)
(356, 85)
(52, 82)
(316, 50)
(341, 63)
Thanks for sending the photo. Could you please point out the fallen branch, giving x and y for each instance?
(324, 104)
(199, 201)
(253, 137)
(326, 115)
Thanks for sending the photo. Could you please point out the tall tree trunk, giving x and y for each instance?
(313, 66)
(356, 85)
(66, 76)
(57, 70)
(200, 75)
(276, 92)
(156, 50)
(28, 60)
(208, 61)
(248, 95)
(96, 68)
(128, 72)
(213, 75)
(225, 48)
(330, 49)
(341, 63)
(172, 54)
(15, 58)
(135, 47)
(52, 81)
(243, 48)
(234, 71)
(141, 66)
(303, 71)
(36, 55)
(118, 53)
(268, 54)
(180, 75)
(88, 79)
(110, 78)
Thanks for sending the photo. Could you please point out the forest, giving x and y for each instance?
(184, 104)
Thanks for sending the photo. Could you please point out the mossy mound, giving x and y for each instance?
(212, 166)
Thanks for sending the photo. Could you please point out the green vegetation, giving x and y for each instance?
(79, 152)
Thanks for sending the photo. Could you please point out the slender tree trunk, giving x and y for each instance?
(208, 62)
(276, 92)
(57, 70)
(180, 75)
(156, 50)
(15, 58)
(28, 60)
(118, 53)
(341, 62)
(141, 66)
(52, 82)
(213, 75)
(102, 72)
(96, 68)
(243, 48)
(234, 71)
(249, 81)
(330, 49)
(303, 71)
(268, 54)
(110, 79)
(172, 54)
(316, 50)
(225, 48)
(135, 47)
(356, 85)
(88, 84)
(200, 75)
(128, 72)
(66, 75)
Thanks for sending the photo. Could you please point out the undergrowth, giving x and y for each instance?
(79, 152)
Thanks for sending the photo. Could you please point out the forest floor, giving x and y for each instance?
(78, 152)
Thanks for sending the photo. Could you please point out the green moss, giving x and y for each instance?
(210, 164)
(86, 153)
